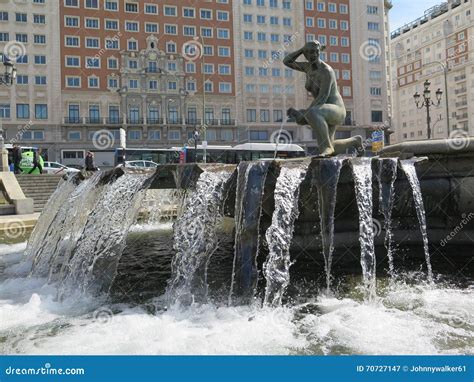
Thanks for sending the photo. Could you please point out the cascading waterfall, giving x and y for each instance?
(362, 173)
(93, 263)
(408, 167)
(52, 207)
(326, 179)
(65, 229)
(162, 205)
(387, 178)
(280, 233)
(195, 238)
(248, 208)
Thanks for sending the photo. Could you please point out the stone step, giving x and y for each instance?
(39, 188)
(7, 209)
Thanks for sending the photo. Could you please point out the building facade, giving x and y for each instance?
(151, 74)
(435, 47)
(30, 111)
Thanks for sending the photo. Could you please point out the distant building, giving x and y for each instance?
(438, 43)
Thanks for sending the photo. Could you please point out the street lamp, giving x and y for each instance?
(9, 76)
(7, 79)
(427, 102)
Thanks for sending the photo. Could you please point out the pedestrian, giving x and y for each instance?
(16, 159)
(90, 162)
(36, 162)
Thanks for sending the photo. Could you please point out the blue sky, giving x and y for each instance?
(405, 11)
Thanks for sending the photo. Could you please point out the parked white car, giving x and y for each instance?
(141, 164)
(58, 169)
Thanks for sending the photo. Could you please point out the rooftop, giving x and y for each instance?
(430, 14)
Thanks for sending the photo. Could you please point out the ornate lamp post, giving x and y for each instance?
(427, 102)
(7, 78)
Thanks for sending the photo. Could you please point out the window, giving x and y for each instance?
(251, 115)
(40, 80)
(264, 115)
(94, 4)
(111, 5)
(21, 17)
(377, 116)
(259, 135)
(4, 110)
(40, 60)
(73, 81)
(74, 135)
(132, 7)
(41, 111)
(22, 111)
(277, 115)
(174, 135)
(154, 135)
(134, 135)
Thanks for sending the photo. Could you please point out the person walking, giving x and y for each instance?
(90, 162)
(16, 158)
(37, 162)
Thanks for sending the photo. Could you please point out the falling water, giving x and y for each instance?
(248, 208)
(52, 207)
(408, 167)
(162, 205)
(65, 229)
(195, 237)
(280, 233)
(326, 179)
(94, 260)
(362, 172)
(387, 178)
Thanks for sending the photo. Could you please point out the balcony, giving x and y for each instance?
(460, 78)
(462, 116)
(212, 122)
(193, 122)
(227, 122)
(460, 91)
(93, 120)
(135, 121)
(113, 121)
(461, 104)
(72, 120)
(174, 121)
(154, 121)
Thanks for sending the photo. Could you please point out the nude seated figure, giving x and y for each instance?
(327, 110)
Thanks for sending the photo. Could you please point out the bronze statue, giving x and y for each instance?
(327, 110)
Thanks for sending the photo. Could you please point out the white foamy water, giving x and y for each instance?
(406, 319)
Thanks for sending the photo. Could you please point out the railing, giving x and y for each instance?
(93, 120)
(135, 121)
(212, 122)
(193, 122)
(113, 121)
(174, 121)
(227, 122)
(462, 116)
(72, 120)
(461, 104)
(460, 78)
(154, 121)
(460, 91)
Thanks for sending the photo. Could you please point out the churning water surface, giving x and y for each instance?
(409, 316)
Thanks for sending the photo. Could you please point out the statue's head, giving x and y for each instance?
(312, 50)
